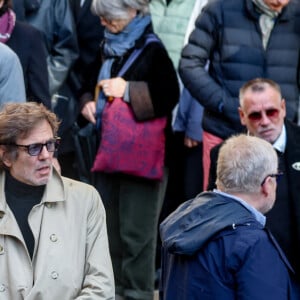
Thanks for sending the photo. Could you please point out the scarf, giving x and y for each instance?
(7, 24)
(116, 45)
(266, 20)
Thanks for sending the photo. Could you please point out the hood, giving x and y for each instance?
(196, 221)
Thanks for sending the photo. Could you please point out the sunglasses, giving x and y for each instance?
(277, 176)
(36, 149)
(270, 113)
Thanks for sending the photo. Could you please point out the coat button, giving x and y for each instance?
(2, 288)
(1, 249)
(54, 275)
(53, 238)
(49, 205)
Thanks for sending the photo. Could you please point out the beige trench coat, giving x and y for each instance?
(71, 257)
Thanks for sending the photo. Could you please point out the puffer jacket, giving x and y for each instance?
(228, 35)
(214, 248)
(71, 257)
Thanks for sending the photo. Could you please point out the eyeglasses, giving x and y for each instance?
(277, 176)
(271, 113)
(36, 149)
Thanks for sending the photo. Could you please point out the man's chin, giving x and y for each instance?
(268, 136)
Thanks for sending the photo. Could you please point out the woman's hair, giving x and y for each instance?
(243, 163)
(118, 9)
(6, 5)
(18, 119)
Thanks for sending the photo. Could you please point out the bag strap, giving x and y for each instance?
(150, 38)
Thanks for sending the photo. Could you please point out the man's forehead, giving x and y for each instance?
(262, 99)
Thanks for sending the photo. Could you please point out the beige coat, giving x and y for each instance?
(71, 257)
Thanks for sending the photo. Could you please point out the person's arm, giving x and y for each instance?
(64, 50)
(98, 281)
(158, 94)
(12, 88)
(204, 47)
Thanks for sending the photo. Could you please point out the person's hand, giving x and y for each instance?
(190, 143)
(114, 87)
(89, 111)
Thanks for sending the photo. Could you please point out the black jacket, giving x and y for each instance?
(228, 35)
(153, 89)
(27, 42)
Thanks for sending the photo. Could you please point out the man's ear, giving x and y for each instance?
(4, 157)
(266, 188)
(283, 107)
(242, 116)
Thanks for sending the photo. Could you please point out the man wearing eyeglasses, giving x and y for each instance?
(216, 246)
(262, 111)
(53, 240)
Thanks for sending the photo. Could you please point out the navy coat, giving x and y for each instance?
(214, 248)
(284, 218)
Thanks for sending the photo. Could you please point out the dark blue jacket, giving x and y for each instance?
(227, 34)
(214, 249)
(284, 218)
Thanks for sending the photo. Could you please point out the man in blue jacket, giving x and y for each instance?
(216, 246)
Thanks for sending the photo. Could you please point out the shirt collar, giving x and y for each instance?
(257, 215)
(280, 143)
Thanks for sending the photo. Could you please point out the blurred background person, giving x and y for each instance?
(54, 19)
(173, 21)
(241, 40)
(27, 42)
(150, 87)
(89, 33)
(12, 88)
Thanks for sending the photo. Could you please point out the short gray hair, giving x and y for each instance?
(118, 9)
(243, 163)
(258, 85)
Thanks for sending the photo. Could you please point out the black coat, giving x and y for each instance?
(153, 89)
(228, 35)
(284, 218)
(27, 42)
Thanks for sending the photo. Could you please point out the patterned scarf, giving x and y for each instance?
(266, 20)
(7, 24)
(115, 46)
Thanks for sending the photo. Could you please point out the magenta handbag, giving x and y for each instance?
(128, 146)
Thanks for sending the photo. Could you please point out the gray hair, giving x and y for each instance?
(118, 9)
(243, 163)
(258, 85)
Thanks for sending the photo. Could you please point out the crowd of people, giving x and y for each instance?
(218, 224)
